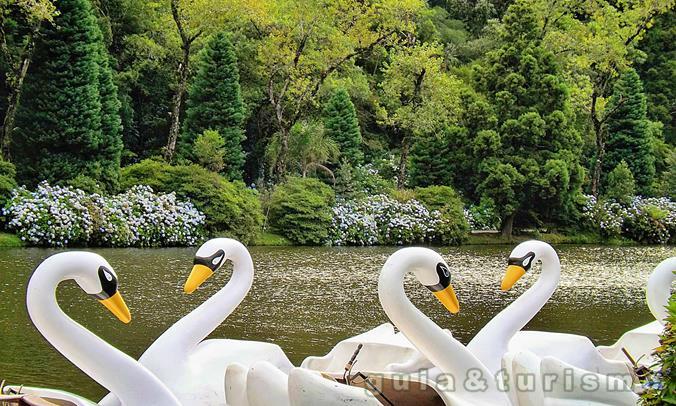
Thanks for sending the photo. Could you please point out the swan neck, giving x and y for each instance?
(658, 289)
(95, 357)
(196, 326)
(492, 341)
(444, 351)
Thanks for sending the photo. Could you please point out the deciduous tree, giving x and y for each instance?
(303, 43)
(20, 22)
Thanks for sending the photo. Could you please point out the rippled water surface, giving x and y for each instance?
(307, 299)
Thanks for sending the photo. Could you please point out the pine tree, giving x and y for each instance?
(530, 166)
(68, 123)
(431, 159)
(215, 103)
(629, 136)
(620, 184)
(658, 73)
(110, 148)
(342, 125)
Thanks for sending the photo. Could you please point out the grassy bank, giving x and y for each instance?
(266, 239)
(551, 238)
(10, 241)
(270, 239)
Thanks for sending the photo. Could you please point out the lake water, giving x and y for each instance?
(306, 299)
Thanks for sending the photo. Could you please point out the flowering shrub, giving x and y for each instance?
(482, 216)
(649, 220)
(381, 220)
(61, 216)
(231, 209)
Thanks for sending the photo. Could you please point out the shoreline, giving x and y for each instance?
(266, 239)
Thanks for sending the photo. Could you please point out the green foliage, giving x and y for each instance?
(309, 149)
(620, 184)
(10, 241)
(431, 159)
(341, 124)
(300, 210)
(85, 183)
(360, 181)
(209, 149)
(529, 164)
(68, 122)
(271, 240)
(629, 135)
(7, 181)
(658, 72)
(484, 216)
(447, 201)
(215, 103)
(660, 387)
(230, 208)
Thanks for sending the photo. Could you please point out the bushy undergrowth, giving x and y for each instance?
(300, 210)
(230, 208)
(483, 216)
(381, 220)
(59, 216)
(660, 387)
(647, 220)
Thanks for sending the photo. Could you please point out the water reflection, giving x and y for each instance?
(306, 299)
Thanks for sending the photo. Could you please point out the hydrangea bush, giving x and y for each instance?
(381, 220)
(482, 216)
(648, 220)
(58, 216)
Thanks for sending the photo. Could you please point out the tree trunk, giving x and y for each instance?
(280, 165)
(600, 145)
(13, 100)
(177, 102)
(600, 152)
(508, 226)
(401, 181)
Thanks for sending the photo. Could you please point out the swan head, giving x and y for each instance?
(97, 278)
(431, 271)
(209, 257)
(521, 260)
(443, 289)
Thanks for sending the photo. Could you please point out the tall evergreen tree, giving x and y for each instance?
(629, 134)
(342, 125)
(658, 73)
(431, 158)
(530, 166)
(215, 103)
(68, 123)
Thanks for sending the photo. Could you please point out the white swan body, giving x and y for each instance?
(307, 387)
(48, 393)
(503, 333)
(453, 359)
(640, 342)
(382, 346)
(181, 357)
(116, 371)
(548, 381)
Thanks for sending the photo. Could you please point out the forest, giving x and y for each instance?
(344, 122)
